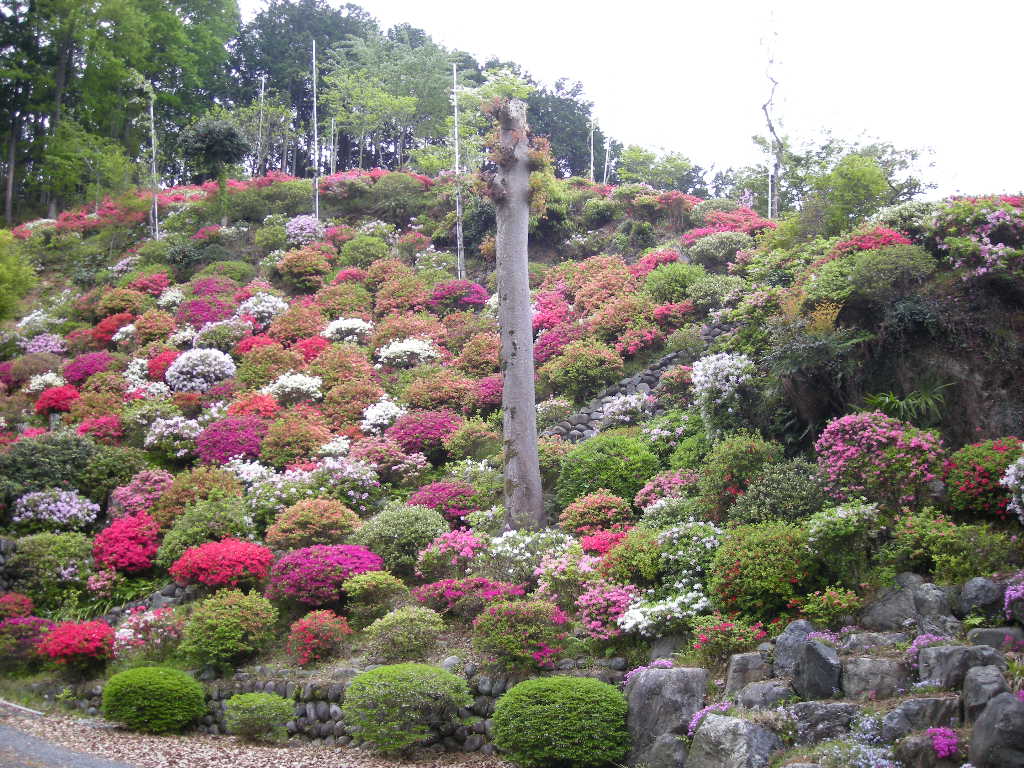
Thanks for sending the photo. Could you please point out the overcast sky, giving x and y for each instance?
(690, 76)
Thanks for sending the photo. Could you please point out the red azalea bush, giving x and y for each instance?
(79, 646)
(350, 275)
(520, 635)
(225, 563)
(973, 477)
(298, 322)
(651, 261)
(154, 284)
(872, 239)
(424, 431)
(105, 329)
(314, 575)
(317, 636)
(596, 511)
(402, 293)
(465, 598)
(250, 343)
(312, 521)
(56, 399)
(673, 315)
(452, 499)
(157, 366)
(604, 541)
(345, 402)
(255, 404)
(310, 348)
(878, 457)
(153, 325)
(15, 605)
(456, 295)
(84, 366)
(106, 429)
(635, 340)
(620, 314)
(230, 437)
(128, 544)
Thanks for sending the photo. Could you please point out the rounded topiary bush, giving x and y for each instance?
(312, 521)
(562, 722)
(228, 627)
(394, 707)
(258, 716)
(153, 699)
(404, 634)
(398, 533)
(619, 464)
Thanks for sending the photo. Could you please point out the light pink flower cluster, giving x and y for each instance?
(600, 607)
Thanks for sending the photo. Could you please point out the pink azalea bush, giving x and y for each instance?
(424, 431)
(673, 484)
(84, 366)
(315, 575)
(465, 598)
(878, 457)
(234, 436)
(601, 509)
(599, 608)
(452, 499)
(128, 544)
(141, 492)
(449, 555)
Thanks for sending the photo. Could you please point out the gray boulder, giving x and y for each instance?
(822, 720)
(1001, 638)
(817, 671)
(998, 737)
(934, 612)
(860, 642)
(763, 695)
(746, 668)
(874, 678)
(946, 665)
(788, 646)
(661, 703)
(729, 742)
(981, 595)
(919, 714)
(981, 684)
(892, 611)
(916, 751)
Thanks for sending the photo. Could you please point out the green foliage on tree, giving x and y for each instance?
(16, 276)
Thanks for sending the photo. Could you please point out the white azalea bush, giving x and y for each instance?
(351, 329)
(380, 415)
(263, 307)
(197, 370)
(408, 353)
(291, 388)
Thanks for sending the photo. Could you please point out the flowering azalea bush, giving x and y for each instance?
(19, 641)
(315, 575)
(153, 634)
(456, 295)
(57, 399)
(467, 597)
(312, 521)
(80, 646)
(601, 509)
(54, 510)
(316, 637)
(452, 499)
(879, 457)
(141, 492)
(224, 563)
(225, 439)
(973, 477)
(601, 606)
(89, 364)
(14, 605)
(449, 555)
(424, 431)
(718, 637)
(520, 635)
(128, 544)
(197, 370)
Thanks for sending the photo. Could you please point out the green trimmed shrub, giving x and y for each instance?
(404, 634)
(153, 699)
(371, 595)
(790, 490)
(239, 271)
(227, 628)
(710, 292)
(398, 533)
(108, 468)
(618, 463)
(670, 283)
(394, 707)
(580, 369)
(562, 722)
(363, 250)
(219, 516)
(716, 250)
(258, 716)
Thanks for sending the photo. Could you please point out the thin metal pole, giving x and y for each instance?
(591, 150)
(152, 168)
(334, 147)
(259, 131)
(460, 248)
(316, 145)
(607, 154)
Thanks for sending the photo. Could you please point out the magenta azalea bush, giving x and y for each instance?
(456, 295)
(424, 431)
(467, 597)
(452, 499)
(314, 575)
(878, 457)
(233, 437)
(84, 366)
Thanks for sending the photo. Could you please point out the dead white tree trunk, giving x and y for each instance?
(524, 503)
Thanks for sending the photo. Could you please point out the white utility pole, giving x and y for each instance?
(591, 150)
(316, 145)
(259, 130)
(460, 263)
(334, 146)
(152, 167)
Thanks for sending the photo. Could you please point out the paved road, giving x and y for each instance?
(20, 750)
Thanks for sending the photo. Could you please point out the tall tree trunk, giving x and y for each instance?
(12, 156)
(524, 502)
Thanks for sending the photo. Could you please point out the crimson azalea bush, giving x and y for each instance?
(315, 575)
(317, 636)
(56, 399)
(80, 647)
(224, 563)
(231, 437)
(452, 499)
(465, 598)
(424, 432)
(973, 476)
(880, 458)
(108, 326)
(14, 605)
(597, 510)
(520, 635)
(128, 544)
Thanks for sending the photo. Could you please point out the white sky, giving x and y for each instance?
(690, 76)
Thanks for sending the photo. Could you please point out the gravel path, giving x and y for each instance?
(57, 741)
